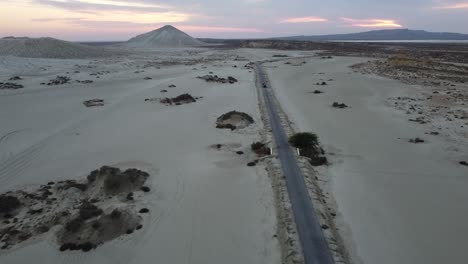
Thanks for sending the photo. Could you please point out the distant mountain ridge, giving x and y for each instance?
(386, 34)
(167, 36)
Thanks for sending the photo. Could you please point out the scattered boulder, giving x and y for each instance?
(12, 86)
(15, 78)
(234, 120)
(240, 152)
(163, 91)
(322, 83)
(148, 78)
(317, 92)
(339, 105)
(172, 86)
(464, 163)
(94, 102)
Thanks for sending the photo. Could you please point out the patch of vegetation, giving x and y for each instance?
(260, 149)
(308, 146)
(304, 140)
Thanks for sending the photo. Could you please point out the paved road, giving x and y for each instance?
(314, 245)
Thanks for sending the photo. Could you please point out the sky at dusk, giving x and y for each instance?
(90, 20)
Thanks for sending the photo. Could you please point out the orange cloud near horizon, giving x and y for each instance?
(308, 19)
(370, 23)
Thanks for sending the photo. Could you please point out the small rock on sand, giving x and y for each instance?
(416, 140)
(94, 102)
(339, 105)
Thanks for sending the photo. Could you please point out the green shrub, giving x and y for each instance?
(257, 146)
(304, 140)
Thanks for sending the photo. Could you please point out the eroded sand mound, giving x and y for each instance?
(89, 211)
(49, 48)
(234, 120)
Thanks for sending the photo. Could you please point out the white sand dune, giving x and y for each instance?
(49, 48)
(206, 205)
(400, 202)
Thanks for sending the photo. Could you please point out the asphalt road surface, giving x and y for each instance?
(314, 245)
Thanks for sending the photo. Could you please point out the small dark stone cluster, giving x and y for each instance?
(215, 78)
(85, 247)
(179, 100)
(59, 80)
(85, 81)
(8, 85)
(253, 163)
(339, 105)
(416, 140)
(94, 102)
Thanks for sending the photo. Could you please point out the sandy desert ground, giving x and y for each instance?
(398, 202)
(205, 204)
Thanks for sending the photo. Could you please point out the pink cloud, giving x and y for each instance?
(218, 29)
(453, 6)
(307, 19)
(371, 22)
